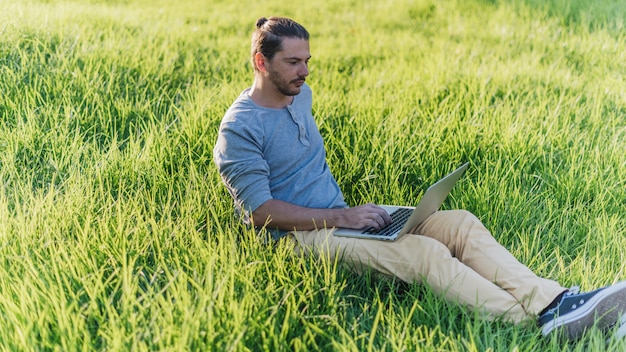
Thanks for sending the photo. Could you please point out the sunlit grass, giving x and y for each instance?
(117, 234)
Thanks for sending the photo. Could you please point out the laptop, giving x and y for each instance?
(406, 218)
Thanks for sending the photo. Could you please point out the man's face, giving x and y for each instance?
(289, 67)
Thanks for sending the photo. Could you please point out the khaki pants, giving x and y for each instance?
(455, 255)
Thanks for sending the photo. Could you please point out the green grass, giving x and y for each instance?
(117, 234)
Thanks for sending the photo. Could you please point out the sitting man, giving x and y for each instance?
(271, 157)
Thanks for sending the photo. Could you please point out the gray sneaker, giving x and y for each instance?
(577, 312)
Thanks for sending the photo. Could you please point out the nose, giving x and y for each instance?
(304, 69)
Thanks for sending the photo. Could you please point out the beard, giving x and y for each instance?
(287, 88)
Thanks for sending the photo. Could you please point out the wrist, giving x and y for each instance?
(339, 217)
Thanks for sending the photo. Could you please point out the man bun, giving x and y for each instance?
(261, 21)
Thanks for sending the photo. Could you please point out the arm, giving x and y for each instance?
(286, 216)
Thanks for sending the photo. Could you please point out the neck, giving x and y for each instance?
(264, 94)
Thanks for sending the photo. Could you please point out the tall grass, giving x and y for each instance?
(115, 230)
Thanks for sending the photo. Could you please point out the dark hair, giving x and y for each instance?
(268, 36)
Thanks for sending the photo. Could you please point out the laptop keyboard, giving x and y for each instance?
(398, 218)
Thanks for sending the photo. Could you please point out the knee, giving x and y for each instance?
(453, 220)
(462, 215)
(462, 219)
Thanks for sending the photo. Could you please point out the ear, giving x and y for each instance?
(259, 61)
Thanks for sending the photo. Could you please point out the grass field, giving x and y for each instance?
(117, 234)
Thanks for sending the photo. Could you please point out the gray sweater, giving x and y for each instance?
(263, 153)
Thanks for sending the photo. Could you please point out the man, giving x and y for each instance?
(271, 157)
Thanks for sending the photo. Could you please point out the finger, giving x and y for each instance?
(385, 218)
(379, 221)
(375, 225)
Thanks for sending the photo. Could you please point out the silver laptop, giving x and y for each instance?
(406, 218)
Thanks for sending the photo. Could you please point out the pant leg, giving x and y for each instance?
(473, 245)
(416, 258)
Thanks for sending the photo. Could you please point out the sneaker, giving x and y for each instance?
(576, 312)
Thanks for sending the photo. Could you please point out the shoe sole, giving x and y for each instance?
(602, 311)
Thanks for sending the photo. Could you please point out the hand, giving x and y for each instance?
(365, 216)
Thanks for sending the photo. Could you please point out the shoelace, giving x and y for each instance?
(574, 290)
